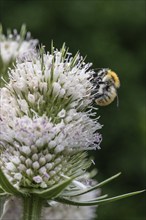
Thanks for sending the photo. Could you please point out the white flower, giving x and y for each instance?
(56, 147)
(8, 107)
(56, 82)
(46, 121)
(14, 46)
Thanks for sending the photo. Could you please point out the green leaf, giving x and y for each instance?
(100, 197)
(47, 204)
(1, 190)
(3, 194)
(96, 202)
(7, 186)
(81, 192)
(53, 191)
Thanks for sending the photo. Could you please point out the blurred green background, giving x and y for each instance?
(111, 34)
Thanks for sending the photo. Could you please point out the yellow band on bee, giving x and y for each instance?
(114, 77)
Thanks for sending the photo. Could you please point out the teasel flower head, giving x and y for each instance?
(46, 121)
(14, 45)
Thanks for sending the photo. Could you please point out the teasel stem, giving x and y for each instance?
(32, 207)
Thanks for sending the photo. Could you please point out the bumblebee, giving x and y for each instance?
(106, 83)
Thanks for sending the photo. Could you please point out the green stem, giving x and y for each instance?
(32, 207)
